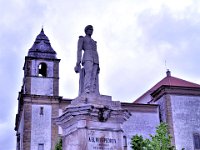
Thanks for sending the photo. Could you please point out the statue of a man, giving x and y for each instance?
(90, 61)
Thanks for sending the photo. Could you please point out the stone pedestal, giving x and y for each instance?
(93, 122)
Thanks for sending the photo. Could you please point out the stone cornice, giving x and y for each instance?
(146, 108)
(88, 116)
(174, 90)
(37, 58)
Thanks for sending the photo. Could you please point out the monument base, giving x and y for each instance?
(93, 123)
(93, 139)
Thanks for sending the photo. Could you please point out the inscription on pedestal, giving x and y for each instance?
(103, 140)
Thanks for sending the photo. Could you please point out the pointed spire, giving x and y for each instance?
(42, 47)
(42, 31)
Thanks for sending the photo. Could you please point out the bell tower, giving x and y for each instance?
(38, 99)
(41, 68)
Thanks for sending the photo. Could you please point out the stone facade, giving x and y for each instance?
(179, 107)
(90, 123)
(27, 127)
(186, 122)
(93, 122)
(143, 121)
(41, 126)
(21, 130)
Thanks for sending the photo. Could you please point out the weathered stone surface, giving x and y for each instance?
(54, 127)
(42, 47)
(41, 126)
(186, 122)
(97, 115)
(27, 127)
(89, 82)
(143, 121)
(102, 100)
(85, 139)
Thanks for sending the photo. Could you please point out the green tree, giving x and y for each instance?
(138, 143)
(160, 141)
(59, 145)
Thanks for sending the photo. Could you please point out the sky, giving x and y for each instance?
(137, 41)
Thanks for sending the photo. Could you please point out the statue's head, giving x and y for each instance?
(89, 30)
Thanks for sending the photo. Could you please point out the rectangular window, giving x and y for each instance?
(196, 137)
(41, 110)
(125, 142)
(40, 146)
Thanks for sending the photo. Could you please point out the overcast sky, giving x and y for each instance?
(137, 41)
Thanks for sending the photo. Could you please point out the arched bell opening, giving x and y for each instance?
(42, 70)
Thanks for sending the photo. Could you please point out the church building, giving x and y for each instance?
(171, 100)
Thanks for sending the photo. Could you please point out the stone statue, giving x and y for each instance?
(88, 82)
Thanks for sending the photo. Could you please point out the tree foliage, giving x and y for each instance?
(160, 141)
(59, 145)
(138, 143)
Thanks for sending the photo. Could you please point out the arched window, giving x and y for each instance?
(42, 70)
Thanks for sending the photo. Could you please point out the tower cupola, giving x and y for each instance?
(42, 47)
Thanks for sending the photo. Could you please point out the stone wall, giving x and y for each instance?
(21, 130)
(186, 120)
(56, 78)
(144, 120)
(27, 127)
(166, 114)
(54, 127)
(42, 86)
(41, 126)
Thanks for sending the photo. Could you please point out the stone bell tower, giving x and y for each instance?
(39, 97)
(41, 68)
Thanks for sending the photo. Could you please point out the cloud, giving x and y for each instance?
(134, 39)
(7, 136)
(175, 39)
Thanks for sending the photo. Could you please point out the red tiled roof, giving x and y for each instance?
(170, 81)
(173, 81)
